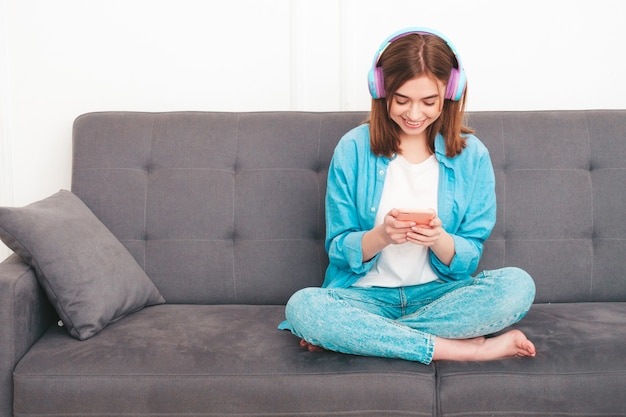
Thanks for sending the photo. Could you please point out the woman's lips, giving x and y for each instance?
(413, 125)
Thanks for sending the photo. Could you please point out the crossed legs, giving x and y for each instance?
(423, 323)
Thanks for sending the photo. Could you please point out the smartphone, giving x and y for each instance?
(419, 216)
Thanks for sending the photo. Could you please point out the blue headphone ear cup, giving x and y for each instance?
(380, 82)
(376, 82)
(371, 82)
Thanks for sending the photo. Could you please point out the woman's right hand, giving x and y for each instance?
(396, 230)
(391, 232)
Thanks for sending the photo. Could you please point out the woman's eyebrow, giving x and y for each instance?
(423, 98)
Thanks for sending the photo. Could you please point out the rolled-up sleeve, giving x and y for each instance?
(344, 231)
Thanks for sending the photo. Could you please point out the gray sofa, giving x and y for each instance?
(224, 212)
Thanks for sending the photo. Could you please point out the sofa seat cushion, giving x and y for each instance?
(205, 360)
(580, 368)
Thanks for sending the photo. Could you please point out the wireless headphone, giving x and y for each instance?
(456, 83)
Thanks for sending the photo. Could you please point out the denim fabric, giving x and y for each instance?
(404, 322)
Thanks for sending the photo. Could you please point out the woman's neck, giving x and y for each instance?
(415, 149)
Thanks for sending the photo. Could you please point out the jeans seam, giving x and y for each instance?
(403, 301)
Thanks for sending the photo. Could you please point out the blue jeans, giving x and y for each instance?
(403, 322)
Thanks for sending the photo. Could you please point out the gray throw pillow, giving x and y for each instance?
(88, 275)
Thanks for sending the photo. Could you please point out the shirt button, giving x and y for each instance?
(381, 172)
(373, 209)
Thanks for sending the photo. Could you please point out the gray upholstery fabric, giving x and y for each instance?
(229, 204)
(561, 184)
(224, 211)
(25, 315)
(211, 360)
(88, 276)
(206, 195)
(579, 369)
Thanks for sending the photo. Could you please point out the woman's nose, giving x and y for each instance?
(414, 112)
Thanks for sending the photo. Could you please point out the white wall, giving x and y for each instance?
(61, 58)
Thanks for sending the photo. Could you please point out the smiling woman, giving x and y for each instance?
(397, 288)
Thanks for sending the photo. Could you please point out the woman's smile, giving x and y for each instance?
(413, 125)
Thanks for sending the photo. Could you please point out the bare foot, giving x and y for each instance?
(310, 347)
(511, 343)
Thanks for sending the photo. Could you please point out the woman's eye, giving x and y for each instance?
(400, 102)
(429, 103)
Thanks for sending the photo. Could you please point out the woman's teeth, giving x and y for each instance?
(414, 124)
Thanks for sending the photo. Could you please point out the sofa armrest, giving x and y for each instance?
(25, 314)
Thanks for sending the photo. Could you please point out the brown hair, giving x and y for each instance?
(409, 57)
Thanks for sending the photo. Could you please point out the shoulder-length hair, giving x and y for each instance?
(409, 57)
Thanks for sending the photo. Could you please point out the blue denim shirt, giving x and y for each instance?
(467, 205)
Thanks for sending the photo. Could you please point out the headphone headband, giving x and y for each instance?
(456, 83)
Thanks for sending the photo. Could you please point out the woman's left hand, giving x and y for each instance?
(426, 235)
(434, 236)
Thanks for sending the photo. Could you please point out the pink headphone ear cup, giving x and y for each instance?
(453, 84)
(380, 82)
(456, 84)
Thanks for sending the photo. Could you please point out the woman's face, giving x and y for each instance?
(416, 105)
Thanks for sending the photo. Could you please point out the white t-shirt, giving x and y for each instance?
(406, 186)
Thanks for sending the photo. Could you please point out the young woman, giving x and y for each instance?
(404, 288)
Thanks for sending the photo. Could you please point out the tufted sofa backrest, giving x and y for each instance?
(217, 207)
(561, 186)
(228, 207)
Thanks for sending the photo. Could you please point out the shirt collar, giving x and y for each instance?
(440, 150)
